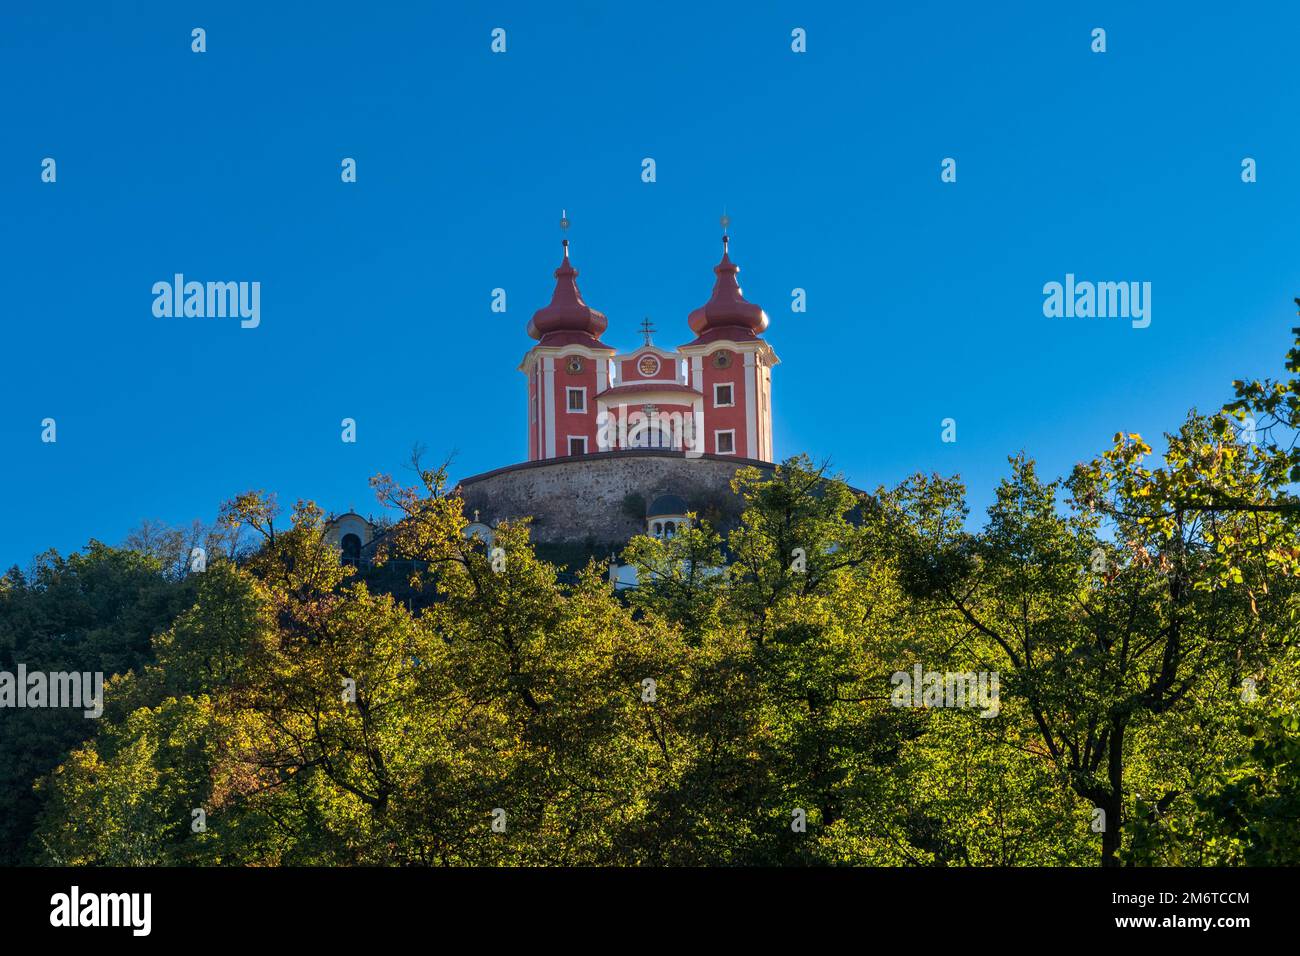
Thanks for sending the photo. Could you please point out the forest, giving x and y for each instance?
(479, 706)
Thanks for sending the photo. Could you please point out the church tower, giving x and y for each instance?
(731, 366)
(567, 369)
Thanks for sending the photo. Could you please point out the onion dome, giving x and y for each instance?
(568, 320)
(667, 506)
(727, 315)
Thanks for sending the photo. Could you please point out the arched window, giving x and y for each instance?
(669, 529)
(650, 428)
(649, 436)
(658, 529)
(351, 546)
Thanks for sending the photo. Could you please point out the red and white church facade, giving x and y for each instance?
(711, 396)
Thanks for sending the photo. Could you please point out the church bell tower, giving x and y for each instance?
(567, 369)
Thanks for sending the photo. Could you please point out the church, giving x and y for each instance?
(624, 443)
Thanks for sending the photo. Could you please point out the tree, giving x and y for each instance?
(93, 611)
(1156, 585)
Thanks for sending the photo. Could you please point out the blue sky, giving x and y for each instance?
(924, 298)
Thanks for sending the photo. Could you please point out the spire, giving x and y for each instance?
(567, 320)
(727, 315)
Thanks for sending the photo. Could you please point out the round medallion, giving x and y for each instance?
(648, 366)
(575, 365)
(721, 359)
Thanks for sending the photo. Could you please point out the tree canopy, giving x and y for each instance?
(1103, 671)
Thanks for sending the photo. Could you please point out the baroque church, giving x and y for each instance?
(623, 443)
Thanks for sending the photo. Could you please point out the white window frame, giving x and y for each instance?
(717, 445)
(718, 404)
(570, 439)
(568, 391)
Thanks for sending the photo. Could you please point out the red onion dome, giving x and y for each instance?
(567, 320)
(727, 314)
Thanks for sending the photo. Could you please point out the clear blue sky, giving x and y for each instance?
(924, 298)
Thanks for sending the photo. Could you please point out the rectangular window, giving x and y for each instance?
(722, 397)
(577, 445)
(577, 399)
(725, 442)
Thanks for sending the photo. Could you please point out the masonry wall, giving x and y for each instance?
(586, 498)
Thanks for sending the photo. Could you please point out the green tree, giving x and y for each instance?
(93, 611)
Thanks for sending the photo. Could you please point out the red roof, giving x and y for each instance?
(727, 308)
(732, 333)
(561, 339)
(567, 314)
(642, 387)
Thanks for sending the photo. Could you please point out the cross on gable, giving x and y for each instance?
(646, 329)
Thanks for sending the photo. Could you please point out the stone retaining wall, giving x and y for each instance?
(586, 497)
